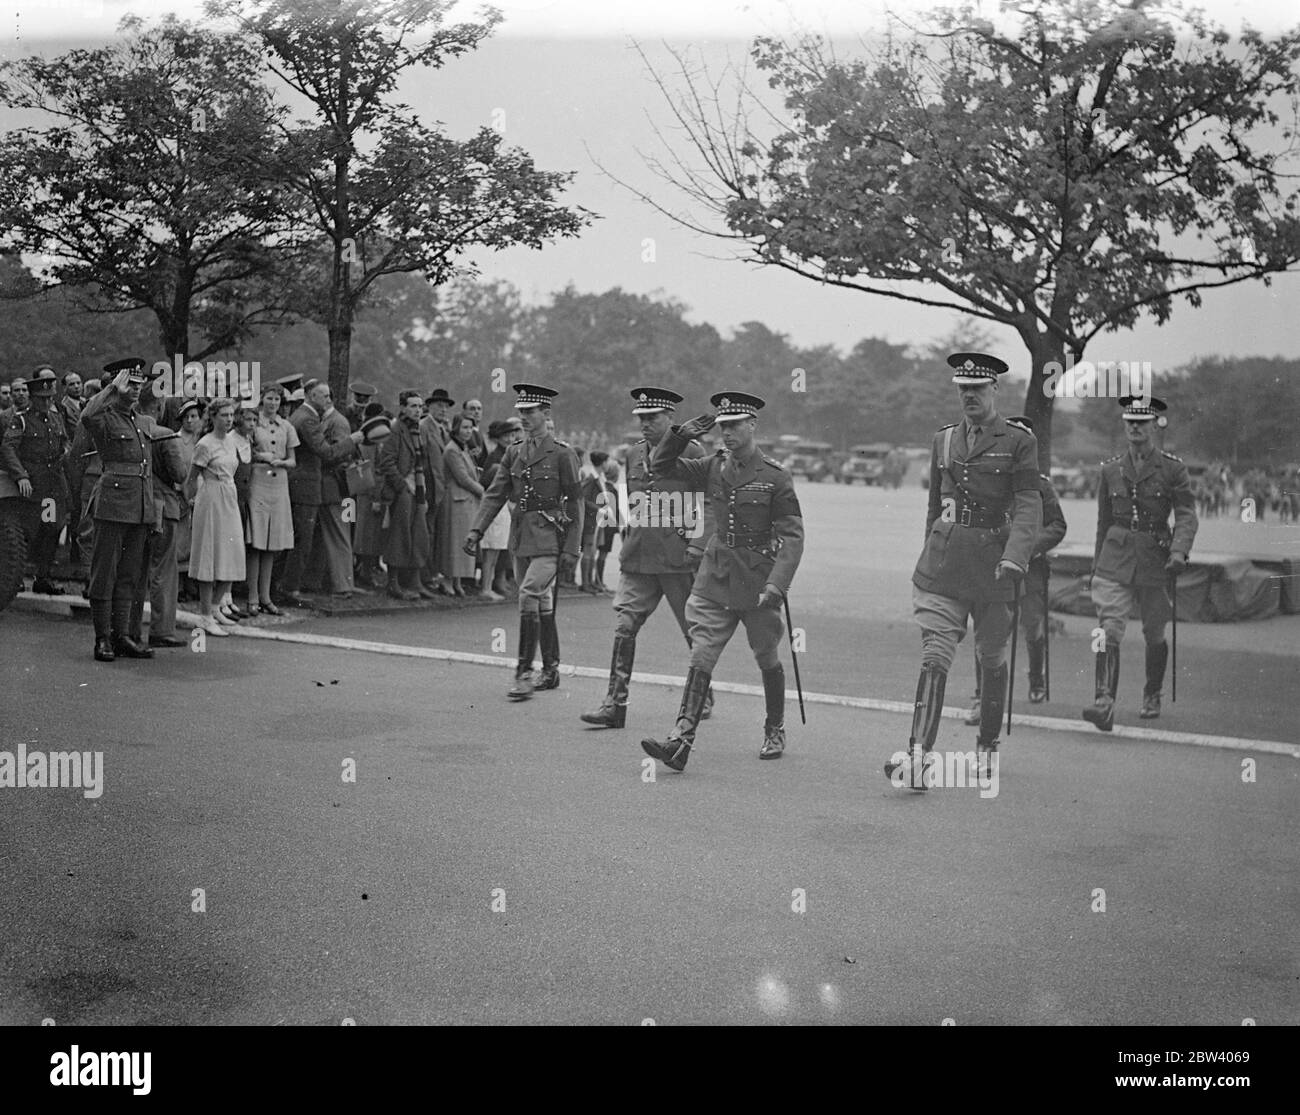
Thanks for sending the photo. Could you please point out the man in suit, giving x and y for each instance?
(478, 449)
(1136, 554)
(662, 547)
(321, 448)
(984, 516)
(435, 435)
(540, 475)
(748, 565)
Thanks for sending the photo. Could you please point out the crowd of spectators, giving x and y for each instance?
(268, 502)
(1219, 491)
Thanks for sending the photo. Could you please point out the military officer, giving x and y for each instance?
(32, 452)
(983, 518)
(661, 549)
(746, 570)
(355, 411)
(1033, 603)
(1136, 553)
(123, 509)
(540, 475)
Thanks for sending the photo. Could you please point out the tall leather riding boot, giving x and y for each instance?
(1037, 649)
(774, 725)
(101, 615)
(613, 710)
(587, 566)
(528, 632)
(1157, 660)
(926, 714)
(973, 716)
(123, 645)
(676, 749)
(993, 706)
(549, 637)
(1102, 712)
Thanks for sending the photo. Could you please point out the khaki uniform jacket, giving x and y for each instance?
(170, 471)
(124, 491)
(1133, 506)
(996, 484)
(33, 446)
(549, 478)
(660, 547)
(753, 505)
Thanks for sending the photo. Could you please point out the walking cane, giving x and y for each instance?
(1015, 636)
(789, 627)
(1047, 629)
(1173, 677)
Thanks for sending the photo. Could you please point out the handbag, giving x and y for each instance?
(359, 476)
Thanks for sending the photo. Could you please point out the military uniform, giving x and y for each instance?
(124, 511)
(540, 476)
(756, 544)
(33, 448)
(1130, 564)
(661, 550)
(984, 509)
(1034, 602)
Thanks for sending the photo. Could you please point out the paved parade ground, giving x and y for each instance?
(497, 863)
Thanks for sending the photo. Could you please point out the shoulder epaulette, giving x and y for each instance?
(1045, 477)
(1019, 425)
(774, 464)
(950, 426)
(167, 436)
(1171, 456)
(564, 443)
(1112, 460)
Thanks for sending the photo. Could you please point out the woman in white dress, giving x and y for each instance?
(270, 517)
(217, 539)
(496, 539)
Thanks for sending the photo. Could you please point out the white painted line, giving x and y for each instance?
(1048, 723)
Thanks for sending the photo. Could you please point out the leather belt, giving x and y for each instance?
(746, 540)
(539, 505)
(127, 468)
(980, 518)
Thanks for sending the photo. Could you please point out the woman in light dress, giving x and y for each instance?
(190, 417)
(217, 538)
(270, 516)
(461, 502)
(496, 539)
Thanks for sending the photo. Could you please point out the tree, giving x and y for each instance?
(387, 194)
(133, 193)
(1058, 176)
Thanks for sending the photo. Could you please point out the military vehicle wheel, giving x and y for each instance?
(13, 555)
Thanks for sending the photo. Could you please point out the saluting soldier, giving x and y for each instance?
(123, 508)
(1136, 553)
(32, 452)
(1033, 602)
(661, 550)
(539, 475)
(747, 567)
(983, 518)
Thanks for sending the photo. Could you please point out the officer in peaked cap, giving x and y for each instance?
(747, 568)
(662, 547)
(540, 475)
(1137, 552)
(32, 452)
(1033, 604)
(361, 393)
(983, 519)
(124, 508)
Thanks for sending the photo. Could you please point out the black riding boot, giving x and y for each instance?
(613, 710)
(676, 749)
(774, 726)
(123, 645)
(1037, 649)
(1157, 660)
(549, 678)
(926, 714)
(1102, 712)
(993, 705)
(528, 631)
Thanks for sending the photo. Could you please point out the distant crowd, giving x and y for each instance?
(1220, 492)
(282, 497)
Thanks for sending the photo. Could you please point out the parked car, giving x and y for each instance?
(873, 464)
(811, 460)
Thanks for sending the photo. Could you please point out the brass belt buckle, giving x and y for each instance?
(964, 518)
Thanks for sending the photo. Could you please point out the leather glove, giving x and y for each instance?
(770, 598)
(567, 564)
(1176, 564)
(471, 543)
(1008, 569)
(694, 557)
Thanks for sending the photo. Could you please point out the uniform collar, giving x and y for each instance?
(994, 428)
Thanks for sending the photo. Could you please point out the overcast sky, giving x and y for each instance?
(563, 81)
